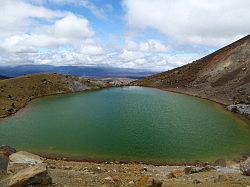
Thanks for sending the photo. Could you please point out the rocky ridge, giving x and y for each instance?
(15, 93)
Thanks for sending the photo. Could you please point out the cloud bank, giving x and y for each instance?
(205, 22)
(32, 32)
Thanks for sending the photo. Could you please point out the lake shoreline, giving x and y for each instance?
(64, 157)
(68, 169)
(49, 95)
(221, 103)
(156, 163)
(16, 93)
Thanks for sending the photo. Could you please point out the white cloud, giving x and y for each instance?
(33, 34)
(99, 12)
(92, 50)
(73, 27)
(68, 30)
(18, 17)
(130, 55)
(147, 46)
(206, 22)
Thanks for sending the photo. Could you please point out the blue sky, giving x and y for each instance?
(144, 34)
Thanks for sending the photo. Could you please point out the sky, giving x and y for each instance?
(144, 34)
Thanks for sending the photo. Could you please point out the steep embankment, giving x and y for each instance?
(223, 76)
(15, 93)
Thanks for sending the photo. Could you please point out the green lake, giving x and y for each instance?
(130, 123)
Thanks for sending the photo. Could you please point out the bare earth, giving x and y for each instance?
(65, 173)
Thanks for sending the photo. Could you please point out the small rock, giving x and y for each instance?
(144, 169)
(197, 181)
(52, 167)
(23, 157)
(221, 178)
(156, 183)
(206, 168)
(245, 167)
(34, 175)
(189, 170)
(131, 183)
(116, 178)
(67, 167)
(220, 162)
(146, 181)
(109, 179)
(176, 173)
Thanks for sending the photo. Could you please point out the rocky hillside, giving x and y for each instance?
(15, 93)
(223, 76)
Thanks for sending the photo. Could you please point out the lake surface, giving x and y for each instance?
(131, 123)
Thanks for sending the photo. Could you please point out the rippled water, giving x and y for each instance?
(131, 123)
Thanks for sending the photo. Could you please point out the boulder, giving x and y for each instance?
(7, 150)
(4, 162)
(245, 167)
(22, 157)
(31, 176)
(240, 108)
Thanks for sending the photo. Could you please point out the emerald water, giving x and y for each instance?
(130, 123)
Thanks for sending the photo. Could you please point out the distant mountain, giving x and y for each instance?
(3, 77)
(84, 71)
(223, 76)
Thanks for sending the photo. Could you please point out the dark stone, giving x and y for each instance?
(4, 162)
(156, 183)
(245, 167)
(7, 150)
(190, 170)
(220, 162)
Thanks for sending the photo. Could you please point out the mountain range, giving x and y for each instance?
(83, 71)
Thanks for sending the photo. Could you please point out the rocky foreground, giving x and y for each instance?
(26, 169)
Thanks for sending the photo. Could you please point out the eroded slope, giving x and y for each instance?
(223, 76)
